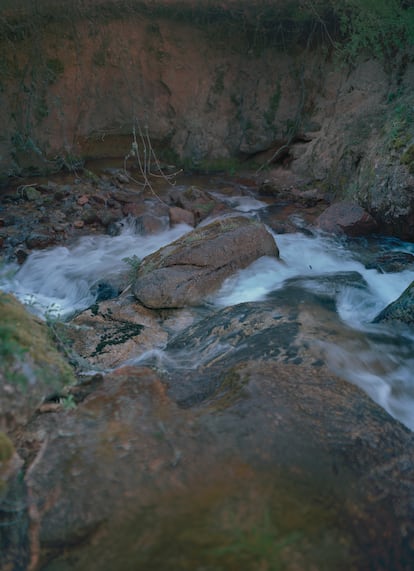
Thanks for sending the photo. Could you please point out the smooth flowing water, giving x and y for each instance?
(378, 358)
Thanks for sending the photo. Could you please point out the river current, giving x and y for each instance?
(379, 358)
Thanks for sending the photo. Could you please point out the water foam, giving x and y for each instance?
(60, 280)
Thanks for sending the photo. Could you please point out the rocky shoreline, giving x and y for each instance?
(255, 433)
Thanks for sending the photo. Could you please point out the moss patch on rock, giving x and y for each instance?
(25, 339)
(31, 365)
(408, 158)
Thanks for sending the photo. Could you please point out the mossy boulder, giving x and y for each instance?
(31, 365)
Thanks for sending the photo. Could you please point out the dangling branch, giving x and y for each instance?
(143, 158)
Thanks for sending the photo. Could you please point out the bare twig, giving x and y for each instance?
(144, 157)
(323, 24)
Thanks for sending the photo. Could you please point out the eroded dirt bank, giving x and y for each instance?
(209, 83)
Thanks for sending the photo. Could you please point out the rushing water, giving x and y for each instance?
(379, 358)
(61, 280)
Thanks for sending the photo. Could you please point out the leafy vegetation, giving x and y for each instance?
(134, 264)
(379, 27)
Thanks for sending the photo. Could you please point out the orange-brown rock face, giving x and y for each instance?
(80, 86)
(205, 81)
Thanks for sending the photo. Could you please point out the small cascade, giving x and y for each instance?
(61, 281)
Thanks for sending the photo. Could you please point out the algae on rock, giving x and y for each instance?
(31, 365)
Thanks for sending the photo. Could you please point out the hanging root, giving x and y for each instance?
(144, 155)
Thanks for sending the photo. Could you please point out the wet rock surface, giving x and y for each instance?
(186, 271)
(347, 218)
(211, 438)
(401, 310)
(111, 332)
(390, 262)
(128, 453)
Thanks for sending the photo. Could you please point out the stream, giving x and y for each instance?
(61, 281)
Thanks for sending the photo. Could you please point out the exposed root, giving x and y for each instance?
(145, 155)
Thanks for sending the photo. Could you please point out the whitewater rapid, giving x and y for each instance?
(378, 358)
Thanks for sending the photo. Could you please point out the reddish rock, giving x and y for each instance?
(82, 200)
(181, 216)
(346, 218)
(79, 224)
(195, 200)
(149, 224)
(113, 331)
(133, 209)
(193, 266)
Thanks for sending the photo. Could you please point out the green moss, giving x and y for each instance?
(399, 126)
(6, 453)
(230, 390)
(26, 339)
(233, 523)
(408, 158)
(228, 165)
(41, 109)
(6, 448)
(204, 207)
(273, 105)
(400, 142)
(55, 68)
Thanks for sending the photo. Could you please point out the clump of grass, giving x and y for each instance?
(134, 264)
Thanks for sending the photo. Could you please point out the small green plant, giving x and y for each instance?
(52, 313)
(68, 402)
(134, 264)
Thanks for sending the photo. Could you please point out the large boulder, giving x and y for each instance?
(346, 218)
(268, 458)
(30, 364)
(402, 309)
(184, 272)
